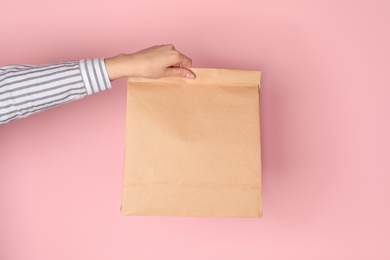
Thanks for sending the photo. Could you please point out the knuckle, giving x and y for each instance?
(175, 54)
(170, 46)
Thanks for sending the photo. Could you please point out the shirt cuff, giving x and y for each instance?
(94, 74)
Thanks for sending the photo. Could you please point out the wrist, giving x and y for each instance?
(114, 67)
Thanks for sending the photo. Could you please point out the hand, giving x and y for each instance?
(154, 62)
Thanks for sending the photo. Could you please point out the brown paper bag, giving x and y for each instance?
(193, 146)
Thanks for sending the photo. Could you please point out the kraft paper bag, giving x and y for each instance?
(193, 145)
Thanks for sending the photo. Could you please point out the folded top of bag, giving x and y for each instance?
(209, 76)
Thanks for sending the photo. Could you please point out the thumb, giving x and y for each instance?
(179, 72)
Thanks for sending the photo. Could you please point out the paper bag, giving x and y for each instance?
(193, 145)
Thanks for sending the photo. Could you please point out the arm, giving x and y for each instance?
(27, 89)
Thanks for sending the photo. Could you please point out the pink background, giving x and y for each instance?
(325, 130)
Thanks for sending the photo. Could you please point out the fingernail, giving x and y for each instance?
(190, 76)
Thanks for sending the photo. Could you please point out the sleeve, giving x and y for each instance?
(27, 89)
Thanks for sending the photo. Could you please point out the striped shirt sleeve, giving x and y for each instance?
(27, 89)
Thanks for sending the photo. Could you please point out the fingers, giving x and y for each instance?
(179, 65)
(179, 72)
(183, 61)
(166, 61)
(180, 60)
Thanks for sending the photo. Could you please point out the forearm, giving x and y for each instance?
(27, 89)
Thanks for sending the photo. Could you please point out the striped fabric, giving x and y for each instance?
(27, 89)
